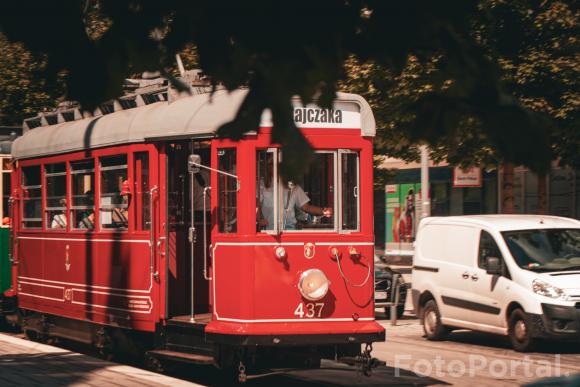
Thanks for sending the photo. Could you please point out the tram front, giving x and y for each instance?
(292, 256)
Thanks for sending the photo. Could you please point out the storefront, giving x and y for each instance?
(397, 216)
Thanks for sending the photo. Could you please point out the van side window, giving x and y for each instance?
(487, 248)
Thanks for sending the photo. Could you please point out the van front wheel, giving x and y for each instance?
(520, 331)
(432, 326)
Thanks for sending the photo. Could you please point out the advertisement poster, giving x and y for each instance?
(403, 202)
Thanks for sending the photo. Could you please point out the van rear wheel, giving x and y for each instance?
(432, 326)
(520, 331)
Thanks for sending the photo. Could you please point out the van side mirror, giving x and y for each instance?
(193, 163)
(493, 266)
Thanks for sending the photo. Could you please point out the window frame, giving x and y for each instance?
(342, 152)
(45, 207)
(111, 207)
(335, 224)
(276, 185)
(236, 184)
(96, 187)
(337, 194)
(23, 188)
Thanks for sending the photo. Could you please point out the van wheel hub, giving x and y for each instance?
(430, 321)
(520, 330)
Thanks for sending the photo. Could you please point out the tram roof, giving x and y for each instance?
(192, 116)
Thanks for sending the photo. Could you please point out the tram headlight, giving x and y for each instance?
(313, 284)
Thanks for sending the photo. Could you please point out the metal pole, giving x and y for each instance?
(425, 199)
(192, 238)
(394, 298)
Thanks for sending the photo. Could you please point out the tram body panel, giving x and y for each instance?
(98, 279)
(253, 285)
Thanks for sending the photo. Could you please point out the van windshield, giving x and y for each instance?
(545, 249)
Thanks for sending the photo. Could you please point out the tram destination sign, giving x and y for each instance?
(312, 116)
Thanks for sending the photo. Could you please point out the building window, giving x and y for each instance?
(142, 207)
(115, 193)
(228, 190)
(83, 195)
(55, 208)
(31, 197)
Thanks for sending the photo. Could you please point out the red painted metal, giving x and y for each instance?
(104, 276)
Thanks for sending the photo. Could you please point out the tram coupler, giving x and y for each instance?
(242, 376)
(363, 362)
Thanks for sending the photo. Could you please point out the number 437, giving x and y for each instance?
(309, 310)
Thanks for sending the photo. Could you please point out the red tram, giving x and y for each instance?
(140, 226)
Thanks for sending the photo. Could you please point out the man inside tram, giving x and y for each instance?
(294, 202)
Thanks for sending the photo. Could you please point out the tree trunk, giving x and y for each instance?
(542, 194)
(507, 192)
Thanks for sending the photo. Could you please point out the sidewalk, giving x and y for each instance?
(26, 363)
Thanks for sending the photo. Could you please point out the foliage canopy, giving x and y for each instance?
(283, 49)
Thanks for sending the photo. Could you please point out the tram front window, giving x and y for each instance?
(303, 202)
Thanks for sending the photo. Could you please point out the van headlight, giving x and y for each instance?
(313, 284)
(547, 290)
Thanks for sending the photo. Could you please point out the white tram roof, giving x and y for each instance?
(188, 117)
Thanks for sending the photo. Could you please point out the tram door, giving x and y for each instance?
(187, 289)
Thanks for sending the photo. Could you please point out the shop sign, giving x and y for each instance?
(470, 177)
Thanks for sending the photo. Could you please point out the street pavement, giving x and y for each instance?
(473, 358)
(26, 363)
(467, 358)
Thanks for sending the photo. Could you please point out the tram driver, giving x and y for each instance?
(293, 205)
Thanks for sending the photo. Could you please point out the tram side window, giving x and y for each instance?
(83, 195)
(115, 193)
(227, 189)
(142, 195)
(349, 191)
(32, 199)
(55, 208)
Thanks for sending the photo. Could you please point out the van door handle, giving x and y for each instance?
(465, 275)
(474, 277)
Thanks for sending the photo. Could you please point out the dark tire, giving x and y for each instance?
(520, 331)
(431, 319)
(400, 311)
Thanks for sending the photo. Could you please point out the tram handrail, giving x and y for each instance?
(205, 275)
(152, 228)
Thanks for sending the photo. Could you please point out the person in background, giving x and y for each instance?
(120, 214)
(88, 222)
(59, 220)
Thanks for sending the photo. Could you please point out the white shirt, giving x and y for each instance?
(291, 202)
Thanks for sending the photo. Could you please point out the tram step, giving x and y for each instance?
(182, 356)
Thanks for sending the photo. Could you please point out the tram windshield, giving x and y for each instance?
(311, 200)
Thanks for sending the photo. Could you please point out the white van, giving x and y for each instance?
(515, 275)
